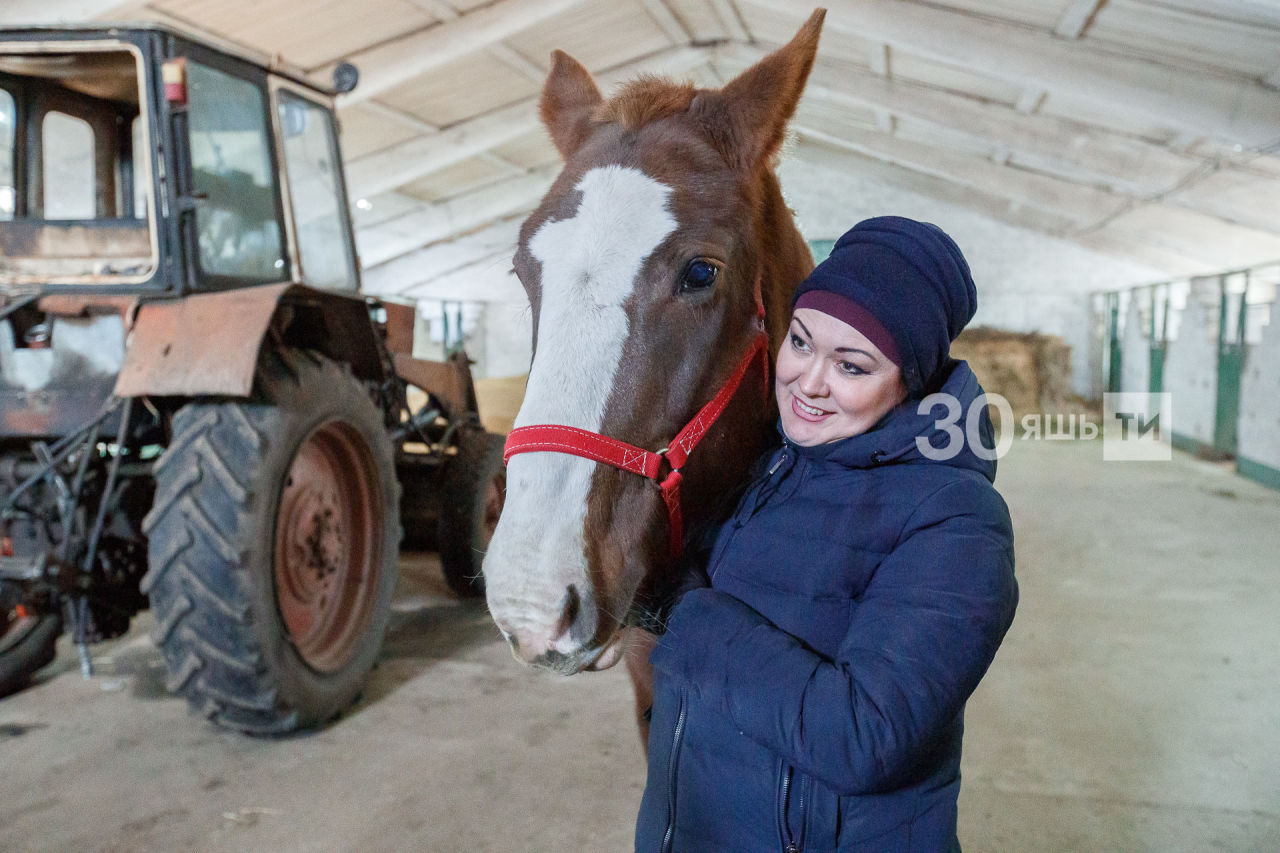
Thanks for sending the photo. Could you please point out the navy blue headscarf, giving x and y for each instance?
(902, 283)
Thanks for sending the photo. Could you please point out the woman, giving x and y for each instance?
(811, 697)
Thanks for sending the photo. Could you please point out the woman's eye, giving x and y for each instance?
(851, 369)
(698, 275)
(798, 342)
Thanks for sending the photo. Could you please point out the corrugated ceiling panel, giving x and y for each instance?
(308, 34)
(827, 118)
(1037, 13)
(364, 132)
(1178, 36)
(530, 151)
(458, 178)
(699, 18)
(1085, 110)
(775, 28)
(941, 137)
(462, 89)
(599, 34)
(906, 66)
(1258, 12)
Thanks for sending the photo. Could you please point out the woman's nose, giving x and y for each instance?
(812, 382)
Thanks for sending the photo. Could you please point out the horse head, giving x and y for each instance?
(644, 266)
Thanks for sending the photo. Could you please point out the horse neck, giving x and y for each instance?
(785, 259)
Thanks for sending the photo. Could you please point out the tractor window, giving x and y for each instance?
(232, 178)
(73, 188)
(69, 185)
(311, 164)
(6, 155)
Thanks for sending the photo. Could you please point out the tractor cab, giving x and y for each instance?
(140, 159)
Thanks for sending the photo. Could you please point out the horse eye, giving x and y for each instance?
(698, 275)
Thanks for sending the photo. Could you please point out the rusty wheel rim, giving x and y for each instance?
(328, 556)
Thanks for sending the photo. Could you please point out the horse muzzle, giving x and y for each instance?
(559, 639)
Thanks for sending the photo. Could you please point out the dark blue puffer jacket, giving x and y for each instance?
(813, 696)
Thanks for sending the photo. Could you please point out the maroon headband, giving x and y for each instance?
(845, 309)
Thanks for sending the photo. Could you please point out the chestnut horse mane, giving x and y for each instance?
(645, 100)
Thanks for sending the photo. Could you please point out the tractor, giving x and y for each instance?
(200, 412)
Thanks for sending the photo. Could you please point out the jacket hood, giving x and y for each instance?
(893, 440)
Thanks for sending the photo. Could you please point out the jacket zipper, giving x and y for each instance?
(790, 843)
(669, 835)
(784, 793)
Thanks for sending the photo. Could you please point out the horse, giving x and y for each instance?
(661, 261)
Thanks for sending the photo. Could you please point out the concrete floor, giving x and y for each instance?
(1134, 706)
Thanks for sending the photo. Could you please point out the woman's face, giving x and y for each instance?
(831, 381)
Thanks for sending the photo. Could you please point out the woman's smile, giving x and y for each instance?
(807, 412)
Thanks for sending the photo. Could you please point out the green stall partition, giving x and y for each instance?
(1231, 348)
(1159, 335)
(821, 249)
(1114, 343)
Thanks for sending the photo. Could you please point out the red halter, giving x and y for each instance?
(556, 438)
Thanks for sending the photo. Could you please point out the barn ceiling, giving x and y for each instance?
(1146, 129)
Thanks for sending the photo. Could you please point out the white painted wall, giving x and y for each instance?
(1135, 352)
(1027, 281)
(1191, 372)
(1259, 430)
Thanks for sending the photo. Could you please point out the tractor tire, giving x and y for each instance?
(27, 643)
(273, 547)
(473, 489)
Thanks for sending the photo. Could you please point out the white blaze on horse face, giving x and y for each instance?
(590, 264)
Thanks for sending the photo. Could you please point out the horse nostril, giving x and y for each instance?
(569, 615)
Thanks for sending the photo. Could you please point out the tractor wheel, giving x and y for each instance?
(27, 642)
(273, 547)
(472, 493)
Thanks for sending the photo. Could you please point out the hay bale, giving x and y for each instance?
(1030, 370)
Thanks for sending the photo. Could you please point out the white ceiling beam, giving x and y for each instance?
(56, 11)
(818, 153)
(730, 19)
(397, 61)
(1122, 162)
(457, 215)
(879, 61)
(1236, 196)
(420, 266)
(1234, 109)
(407, 161)
(1080, 204)
(502, 52)
(1220, 244)
(1030, 99)
(667, 21)
(489, 280)
(518, 62)
(423, 127)
(1135, 247)
(1077, 17)
(1131, 248)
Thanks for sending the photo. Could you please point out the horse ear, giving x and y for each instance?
(569, 97)
(753, 108)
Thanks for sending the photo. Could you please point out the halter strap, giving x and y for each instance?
(558, 438)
